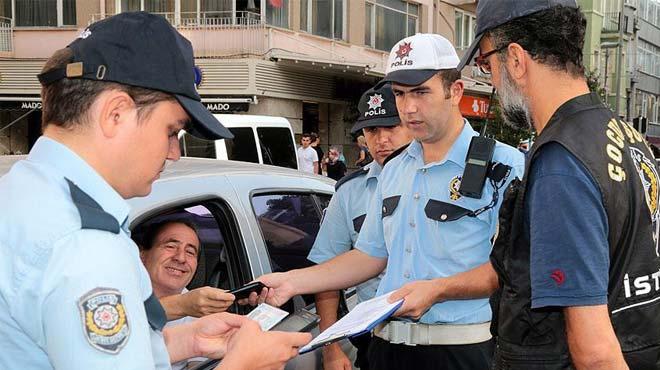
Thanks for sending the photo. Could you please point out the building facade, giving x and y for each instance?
(639, 75)
(305, 60)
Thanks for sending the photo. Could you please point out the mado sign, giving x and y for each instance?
(227, 107)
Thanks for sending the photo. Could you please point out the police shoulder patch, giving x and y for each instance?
(104, 320)
(454, 185)
(362, 171)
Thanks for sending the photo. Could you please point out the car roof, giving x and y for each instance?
(245, 120)
(196, 167)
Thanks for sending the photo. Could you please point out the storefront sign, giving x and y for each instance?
(227, 107)
(16, 105)
(473, 106)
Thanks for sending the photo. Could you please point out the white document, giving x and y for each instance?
(361, 319)
(267, 316)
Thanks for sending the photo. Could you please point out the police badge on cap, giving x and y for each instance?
(104, 319)
(377, 108)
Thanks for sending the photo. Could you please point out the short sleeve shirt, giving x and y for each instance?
(343, 220)
(569, 255)
(306, 158)
(419, 247)
(52, 271)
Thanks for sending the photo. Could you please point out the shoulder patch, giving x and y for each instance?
(92, 215)
(361, 172)
(104, 320)
(395, 154)
(155, 313)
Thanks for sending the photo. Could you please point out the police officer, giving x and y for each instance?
(433, 240)
(73, 292)
(380, 124)
(577, 256)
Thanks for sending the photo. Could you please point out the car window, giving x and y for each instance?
(222, 261)
(289, 224)
(242, 147)
(277, 146)
(192, 146)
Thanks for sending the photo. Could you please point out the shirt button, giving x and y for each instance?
(412, 224)
(408, 249)
(416, 196)
(443, 217)
(406, 275)
(384, 209)
(423, 170)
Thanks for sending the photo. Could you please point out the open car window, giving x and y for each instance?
(222, 261)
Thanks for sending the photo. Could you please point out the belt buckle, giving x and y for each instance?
(402, 333)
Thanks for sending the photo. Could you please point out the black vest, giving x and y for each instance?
(622, 165)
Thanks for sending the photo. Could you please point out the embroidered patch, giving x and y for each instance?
(454, 185)
(558, 276)
(648, 175)
(104, 320)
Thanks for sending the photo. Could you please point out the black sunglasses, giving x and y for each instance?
(482, 60)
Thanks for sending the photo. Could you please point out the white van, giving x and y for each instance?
(257, 139)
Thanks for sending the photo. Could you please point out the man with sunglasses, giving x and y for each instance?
(433, 241)
(577, 255)
(381, 126)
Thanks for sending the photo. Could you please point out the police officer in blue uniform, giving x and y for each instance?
(73, 291)
(433, 240)
(380, 124)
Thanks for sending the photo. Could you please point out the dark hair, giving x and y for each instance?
(553, 37)
(146, 238)
(307, 135)
(448, 77)
(66, 102)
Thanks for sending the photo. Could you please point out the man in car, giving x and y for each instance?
(380, 124)
(73, 291)
(169, 250)
(577, 256)
(434, 241)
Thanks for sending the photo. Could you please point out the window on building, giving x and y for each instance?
(648, 58)
(464, 28)
(277, 13)
(388, 21)
(40, 13)
(323, 17)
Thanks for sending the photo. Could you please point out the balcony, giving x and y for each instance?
(6, 35)
(241, 34)
(611, 22)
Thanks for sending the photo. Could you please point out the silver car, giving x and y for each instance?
(251, 219)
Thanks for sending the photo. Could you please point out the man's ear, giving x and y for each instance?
(456, 91)
(116, 110)
(517, 61)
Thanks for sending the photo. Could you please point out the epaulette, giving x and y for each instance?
(362, 171)
(395, 153)
(92, 215)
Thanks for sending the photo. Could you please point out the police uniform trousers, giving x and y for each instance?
(361, 343)
(384, 355)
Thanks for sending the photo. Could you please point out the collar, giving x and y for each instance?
(56, 155)
(456, 153)
(374, 170)
(572, 106)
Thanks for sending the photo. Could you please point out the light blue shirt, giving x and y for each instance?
(337, 234)
(420, 248)
(48, 264)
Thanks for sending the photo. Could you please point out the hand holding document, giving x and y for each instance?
(364, 317)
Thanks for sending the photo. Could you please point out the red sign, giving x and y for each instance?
(473, 106)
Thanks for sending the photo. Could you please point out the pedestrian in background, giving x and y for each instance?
(334, 167)
(308, 160)
(364, 157)
(316, 145)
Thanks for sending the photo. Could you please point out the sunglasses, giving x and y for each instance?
(482, 60)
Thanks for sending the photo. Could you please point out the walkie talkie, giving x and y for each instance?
(478, 161)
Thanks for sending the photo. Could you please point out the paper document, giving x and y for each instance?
(267, 316)
(364, 317)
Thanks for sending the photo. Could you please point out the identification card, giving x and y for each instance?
(267, 316)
